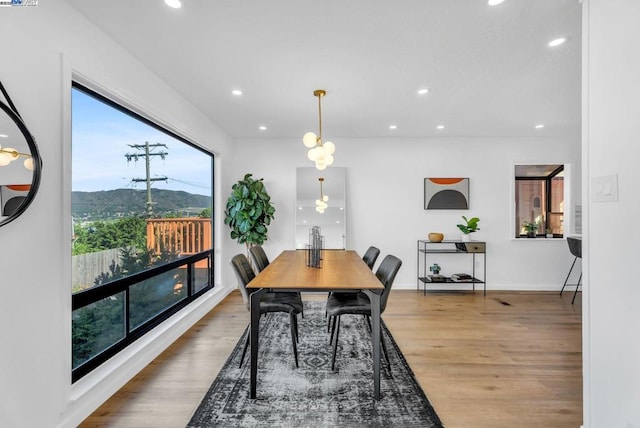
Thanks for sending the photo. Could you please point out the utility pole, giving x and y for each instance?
(148, 152)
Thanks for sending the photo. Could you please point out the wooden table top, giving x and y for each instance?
(341, 269)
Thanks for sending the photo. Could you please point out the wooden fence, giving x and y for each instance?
(85, 267)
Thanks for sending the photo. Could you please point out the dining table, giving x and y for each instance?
(339, 271)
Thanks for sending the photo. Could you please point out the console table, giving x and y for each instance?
(473, 248)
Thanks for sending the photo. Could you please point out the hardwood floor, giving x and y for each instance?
(510, 359)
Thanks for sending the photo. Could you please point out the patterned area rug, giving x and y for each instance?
(313, 395)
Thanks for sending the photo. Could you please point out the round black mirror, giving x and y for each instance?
(20, 163)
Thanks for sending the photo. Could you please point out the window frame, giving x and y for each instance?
(567, 223)
(90, 296)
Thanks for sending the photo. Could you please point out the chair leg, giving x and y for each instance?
(244, 350)
(576, 292)
(568, 275)
(335, 343)
(292, 321)
(295, 319)
(384, 347)
(333, 328)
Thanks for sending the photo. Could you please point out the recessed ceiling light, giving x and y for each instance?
(236, 92)
(539, 126)
(393, 126)
(176, 4)
(262, 128)
(557, 42)
(423, 91)
(494, 2)
(4, 136)
(440, 127)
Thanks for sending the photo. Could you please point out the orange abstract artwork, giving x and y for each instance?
(446, 193)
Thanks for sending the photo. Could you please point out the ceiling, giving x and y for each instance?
(488, 69)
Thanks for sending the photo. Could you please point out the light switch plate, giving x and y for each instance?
(604, 189)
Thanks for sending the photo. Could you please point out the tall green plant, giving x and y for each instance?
(249, 211)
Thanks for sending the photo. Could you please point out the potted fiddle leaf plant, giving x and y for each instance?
(470, 225)
(249, 212)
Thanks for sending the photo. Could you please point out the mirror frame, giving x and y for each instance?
(10, 110)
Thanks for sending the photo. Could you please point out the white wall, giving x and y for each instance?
(385, 204)
(611, 97)
(41, 46)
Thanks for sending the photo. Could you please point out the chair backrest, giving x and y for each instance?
(386, 273)
(259, 257)
(575, 246)
(12, 205)
(244, 273)
(370, 256)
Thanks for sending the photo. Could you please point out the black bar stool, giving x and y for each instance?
(575, 247)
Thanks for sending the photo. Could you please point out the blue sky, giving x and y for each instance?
(101, 136)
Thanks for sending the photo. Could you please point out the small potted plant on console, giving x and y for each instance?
(470, 225)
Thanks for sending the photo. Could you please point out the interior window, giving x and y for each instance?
(539, 200)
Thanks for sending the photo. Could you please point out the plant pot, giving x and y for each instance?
(531, 234)
(465, 237)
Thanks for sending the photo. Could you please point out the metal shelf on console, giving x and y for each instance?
(448, 280)
(426, 248)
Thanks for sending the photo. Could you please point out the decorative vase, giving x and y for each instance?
(466, 237)
(436, 237)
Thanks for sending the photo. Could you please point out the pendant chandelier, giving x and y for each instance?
(321, 204)
(319, 152)
(8, 155)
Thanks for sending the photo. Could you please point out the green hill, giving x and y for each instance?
(126, 202)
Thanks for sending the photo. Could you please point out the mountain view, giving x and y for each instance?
(127, 202)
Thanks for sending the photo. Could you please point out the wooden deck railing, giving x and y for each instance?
(184, 236)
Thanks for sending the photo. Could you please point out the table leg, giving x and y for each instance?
(254, 328)
(374, 298)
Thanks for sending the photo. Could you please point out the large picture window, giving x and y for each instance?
(142, 230)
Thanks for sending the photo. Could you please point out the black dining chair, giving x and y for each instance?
(259, 257)
(359, 303)
(289, 303)
(575, 247)
(262, 261)
(370, 257)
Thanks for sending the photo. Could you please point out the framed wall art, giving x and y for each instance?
(446, 193)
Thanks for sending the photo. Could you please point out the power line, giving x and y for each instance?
(190, 183)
